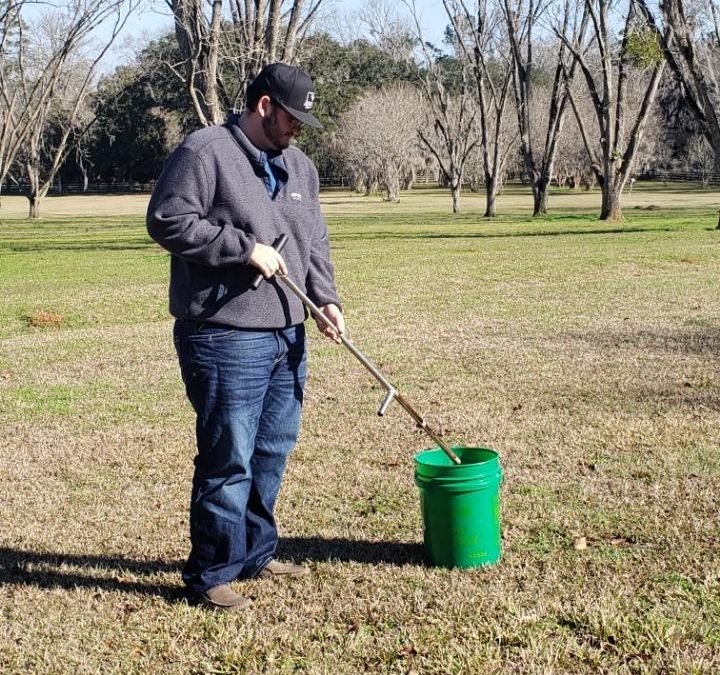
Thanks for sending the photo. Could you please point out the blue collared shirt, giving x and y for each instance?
(275, 173)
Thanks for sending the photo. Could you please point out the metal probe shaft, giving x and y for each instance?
(392, 392)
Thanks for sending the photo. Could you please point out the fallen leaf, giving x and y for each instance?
(407, 650)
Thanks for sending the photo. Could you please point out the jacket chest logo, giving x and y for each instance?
(296, 196)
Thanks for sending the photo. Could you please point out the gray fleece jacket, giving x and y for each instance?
(209, 208)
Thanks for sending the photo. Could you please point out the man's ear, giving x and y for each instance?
(263, 106)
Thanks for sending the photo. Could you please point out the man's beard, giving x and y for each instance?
(271, 128)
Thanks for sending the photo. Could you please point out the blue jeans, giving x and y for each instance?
(246, 387)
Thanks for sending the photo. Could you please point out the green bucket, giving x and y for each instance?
(460, 506)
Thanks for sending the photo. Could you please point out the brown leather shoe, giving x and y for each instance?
(222, 598)
(275, 568)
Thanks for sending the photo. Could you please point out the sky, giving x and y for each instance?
(155, 19)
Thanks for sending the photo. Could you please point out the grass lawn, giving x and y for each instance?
(587, 353)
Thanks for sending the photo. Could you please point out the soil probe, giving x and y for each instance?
(392, 392)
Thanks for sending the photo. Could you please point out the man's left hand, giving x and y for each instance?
(334, 313)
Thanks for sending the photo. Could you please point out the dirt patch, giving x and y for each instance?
(44, 319)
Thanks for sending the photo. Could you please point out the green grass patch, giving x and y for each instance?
(586, 353)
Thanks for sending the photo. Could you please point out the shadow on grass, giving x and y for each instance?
(38, 247)
(113, 573)
(702, 342)
(350, 550)
(697, 340)
(340, 236)
(71, 571)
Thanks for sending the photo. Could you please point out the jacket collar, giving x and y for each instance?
(254, 154)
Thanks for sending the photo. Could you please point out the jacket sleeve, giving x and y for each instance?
(320, 281)
(177, 216)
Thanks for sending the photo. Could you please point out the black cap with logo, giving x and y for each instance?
(290, 87)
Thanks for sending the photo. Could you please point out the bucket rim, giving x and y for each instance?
(459, 450)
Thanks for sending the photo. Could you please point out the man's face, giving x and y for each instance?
(280, 127)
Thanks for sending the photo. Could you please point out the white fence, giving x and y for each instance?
(682, 177)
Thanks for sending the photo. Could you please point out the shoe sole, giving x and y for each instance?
(214, 607)
(266, 574)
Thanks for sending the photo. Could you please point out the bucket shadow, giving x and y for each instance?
(317, 549)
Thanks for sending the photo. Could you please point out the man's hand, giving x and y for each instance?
(267, 260)
(333, 313)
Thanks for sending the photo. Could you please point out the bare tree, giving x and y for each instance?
(482, 44)
(22, 86)
(540, 128)
(689, 32)
(606, 74)
(378, 137)
(449, 132)
(64, 113)
(702, 158)
(45, 78)
(222, 50)
(572, 166)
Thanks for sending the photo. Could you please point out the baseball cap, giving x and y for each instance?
(291, 88)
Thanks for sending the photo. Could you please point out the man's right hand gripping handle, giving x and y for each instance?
(268, 260)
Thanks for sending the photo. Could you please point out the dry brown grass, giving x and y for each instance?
(44, 319)
(587, 354)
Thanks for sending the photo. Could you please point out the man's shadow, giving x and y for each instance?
(127, 575)
(71, 571)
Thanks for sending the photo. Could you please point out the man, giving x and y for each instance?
(225, 195)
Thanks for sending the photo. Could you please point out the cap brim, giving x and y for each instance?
(304, 117)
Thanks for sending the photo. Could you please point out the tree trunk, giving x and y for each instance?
(490, 196)
(357, 181)
(611, 202)
(34, 211)
(392, 181)
(455, 190)
(409, 179)
(540, 197)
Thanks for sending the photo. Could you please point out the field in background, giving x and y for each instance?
(587, 353)
(515, 199)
